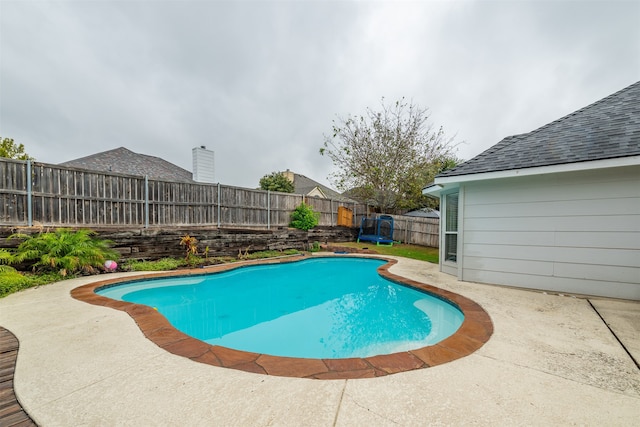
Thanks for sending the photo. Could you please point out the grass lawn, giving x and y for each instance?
(422, 253)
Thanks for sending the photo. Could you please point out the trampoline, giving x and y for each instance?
(378, 230)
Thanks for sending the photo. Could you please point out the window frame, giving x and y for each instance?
(451, 227)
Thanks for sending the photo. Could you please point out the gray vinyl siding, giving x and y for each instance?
(573, 232)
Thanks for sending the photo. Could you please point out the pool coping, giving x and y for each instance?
(475, 331)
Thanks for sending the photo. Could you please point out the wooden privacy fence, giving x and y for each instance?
(52, 195)
(416, 230)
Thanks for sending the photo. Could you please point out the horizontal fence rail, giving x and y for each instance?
(40, 194)
(416, 230)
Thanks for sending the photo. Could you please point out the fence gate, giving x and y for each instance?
(345, 216)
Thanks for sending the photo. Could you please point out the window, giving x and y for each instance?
(451, 227)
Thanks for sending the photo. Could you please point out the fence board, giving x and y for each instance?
(416, 230)
(63, 196)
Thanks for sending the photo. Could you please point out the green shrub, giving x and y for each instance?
(304, 217)
(194, 261)
(159, 265)
(45, 278)
(65, 251)
(220, 260)
(6, 257)
(270, 254)
(12, 281)
(290, 252)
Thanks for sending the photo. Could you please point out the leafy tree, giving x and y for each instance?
(437, 166)
(304, 217)
(387, 155)
(64, 250)
(9, 149)
(276, 181)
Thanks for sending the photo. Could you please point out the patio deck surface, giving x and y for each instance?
(552, 360)
(11, 412)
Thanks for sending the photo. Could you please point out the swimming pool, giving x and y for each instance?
(325, 308)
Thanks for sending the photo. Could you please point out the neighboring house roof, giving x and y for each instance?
(606, 129)
(122, 160)
(309, 187)
(356, 194)
(424, 213)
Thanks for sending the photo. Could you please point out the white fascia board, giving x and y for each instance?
(436, 190)
(566, 167)
(323, 195)
(317, 192)
(432, 190)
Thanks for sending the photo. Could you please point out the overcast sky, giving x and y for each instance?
(259, 82)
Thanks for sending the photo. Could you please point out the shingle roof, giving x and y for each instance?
(424, 213)
(304, 185)
(606, 129)
(122, 160)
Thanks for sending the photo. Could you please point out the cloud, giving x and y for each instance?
(260, 82)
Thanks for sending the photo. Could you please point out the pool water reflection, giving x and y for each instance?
(316, 308)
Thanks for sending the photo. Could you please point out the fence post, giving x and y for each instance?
(218, 205)
(331, 209)
(268, 209)
(29, 194)
(146, 201)
(355, 214)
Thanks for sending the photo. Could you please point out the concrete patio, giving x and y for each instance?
(552, 360)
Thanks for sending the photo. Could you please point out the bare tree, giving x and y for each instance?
(386, 157)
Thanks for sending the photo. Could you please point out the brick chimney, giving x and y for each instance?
(288, 174)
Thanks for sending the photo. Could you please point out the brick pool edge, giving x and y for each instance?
(475, 331)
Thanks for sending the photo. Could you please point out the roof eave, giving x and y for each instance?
(565, 167)
(432, 190)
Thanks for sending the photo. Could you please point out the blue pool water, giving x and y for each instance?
(316, 308)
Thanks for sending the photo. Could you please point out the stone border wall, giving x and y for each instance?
(156, 243)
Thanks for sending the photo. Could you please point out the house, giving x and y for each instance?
(555, 209)
(423, 213)
(124, 161)
(309, 187)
